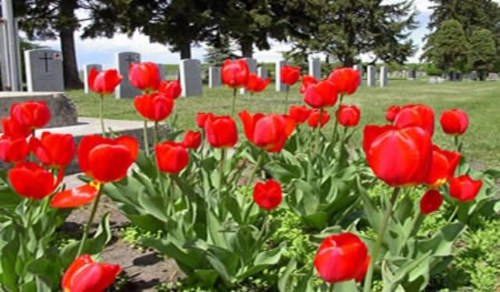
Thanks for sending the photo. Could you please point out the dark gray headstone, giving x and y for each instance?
(315, 68)
(280, 87)
(86, 70)
(214, 77)
(44, 70)
(383, 76)
(190, 75)
(252, 66)
(370, 76)
(123, 61)
(262, 72)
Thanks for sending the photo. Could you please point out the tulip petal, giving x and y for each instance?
(76, 197)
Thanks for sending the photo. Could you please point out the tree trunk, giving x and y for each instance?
(246, 48)
(348, 61)
(185, 50)
(67, 38)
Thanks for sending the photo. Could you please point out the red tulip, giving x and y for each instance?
(314, 121)
(13, 150)
(192, 139)
(399, 157)
(267, 195)
(464, 189)
(154, 107)
(346, 80)
(54, 150)
(144, 76)
(107, 160)
(31, 114)
(31, 181)
(201, 118)
(289, 75)
(75, 197)
(235, 73)
(13, 129)
(221, 131)
(256, 84)
(267, 131)
(299, 114)
(85, 275)
(306, 81)
(171, 89)
(341, 257)
(443, 167)
(416, 116)
(362, 272)
(171, 157)
(430, 202)
(391, 112)
(321, 95)
(103, 82)
(348, 115)
(454, 122)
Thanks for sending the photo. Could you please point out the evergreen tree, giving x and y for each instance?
(483, 51)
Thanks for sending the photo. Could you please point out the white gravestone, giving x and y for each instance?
(86, 71)
(44, 70)
(190, 74)
(252, 66)
(370, 76)
(262, 72)
(214, 77)
(383, 76)
(315, 68)
(359, 68)
(123, 61)
(280, 87)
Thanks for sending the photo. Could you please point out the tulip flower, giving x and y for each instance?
(267, 131)
(348, 115)
(314, 120)
(267, 195)
(31, 181)
(442, 168)
(171, 89)
(464, 188)
(54, 150)
(346, 80)
(221, 131)
(103, 82)
(341, 257)
(201, 118)
(235, 73)
(171, 157)
(289, 75)
(192, 139)
(13, 149)
(13, 129)
(454, 122)
(430, 202)
(299, 114)
(31, 114)
(416, 116)
(321, 95)
(154, 107)
(399, 157)
(391, 112)
(306, 81)
(85, 275)
(256, 84)
(144, 76)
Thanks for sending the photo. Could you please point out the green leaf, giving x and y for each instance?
(154, 205)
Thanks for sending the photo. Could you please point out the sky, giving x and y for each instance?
(102, 50)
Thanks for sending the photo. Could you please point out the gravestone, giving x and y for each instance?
(412, 74)
(163, 71)
(473, 75)
(262, 72)
(214, 77)
(493, 77)
(370, 76)
(359, 68)
(123, 61)
(280, 87)
(383, 76)
(252, 66)
(190, 75)
(44, 70)
(86, 71)
(315, 68)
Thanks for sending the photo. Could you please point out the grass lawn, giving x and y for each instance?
(481, 100)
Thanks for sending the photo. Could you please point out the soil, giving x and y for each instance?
(143, 269)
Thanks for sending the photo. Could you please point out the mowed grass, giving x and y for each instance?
(481, 100)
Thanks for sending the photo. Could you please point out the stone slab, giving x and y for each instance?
(280, 87)
(315, 68)
(190, 75)
(123, 61)
(44, 70)
(214, 77)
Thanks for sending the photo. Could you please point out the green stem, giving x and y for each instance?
(156, 133)
(286, 98)
(318, 130)
(145, 138)
(336, 124)
(233, 104)
(101, 116)
(380, 236)
(331, 287)
(86, 229)
(265, 227)
(221, 168)
(455, 211)
(457, 143)
(254, 170)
